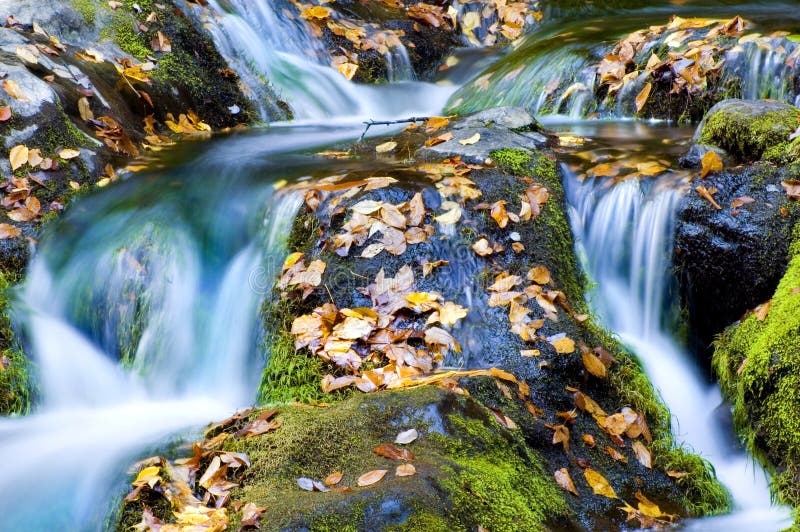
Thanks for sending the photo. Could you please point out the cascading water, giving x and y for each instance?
(624, 235)
(262, 41)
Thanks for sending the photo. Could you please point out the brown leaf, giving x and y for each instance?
(708, 195)
(588, 439)
(499, 214)
(762, 310)
(641, 98)
(598, 483)
(393, 452)
(5, 113)
(539, 275)
(792, 188)
(560, 435)
(367, 479)
(160, 43)
(565, 481)
(13, 89)
(333, 479)
(9, 231)
(251, 515)
(615, 454)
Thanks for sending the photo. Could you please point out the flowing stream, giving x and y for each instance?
(141, 305)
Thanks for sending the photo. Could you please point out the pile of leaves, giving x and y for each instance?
(687, 53)
(200, 502)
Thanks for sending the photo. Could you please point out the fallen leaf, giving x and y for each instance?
(471, 140)
(615, 454)
(563, 345)
(386, 147)
(564, 480)
(5, 113)
(18, 156)
(393, 452)
(762, 311)
(69, 153)
(9, 231)
(711, 163)
(333, 479)
(405, 470)
(482, 247)
(560, 435)
(708, 195)
(367, 479)
(598, 483)
(593, 364)
(13, 89)
(588, 439)
(251, 515)
(641, 98)
(792, 188)
(642, 454)
(406, 437)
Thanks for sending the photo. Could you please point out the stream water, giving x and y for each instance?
(191, 249)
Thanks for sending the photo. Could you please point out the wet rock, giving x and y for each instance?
(752, 130)
(730, 260)
(497, 128)
(485, 334)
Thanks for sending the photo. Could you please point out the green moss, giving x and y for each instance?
(15, 380)
(757, 364)
(482, 473)
(751, 137)
(87, 9)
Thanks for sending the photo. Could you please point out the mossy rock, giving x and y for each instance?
(470, 470)
(757, 362)
(753, 130)
(16, 391)
(485, 333)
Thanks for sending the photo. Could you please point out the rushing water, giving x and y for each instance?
(624, 236)
(166, 272)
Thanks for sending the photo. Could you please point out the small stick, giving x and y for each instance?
(390, 122)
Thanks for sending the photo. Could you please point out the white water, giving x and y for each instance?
(262, 43)
(624, 235)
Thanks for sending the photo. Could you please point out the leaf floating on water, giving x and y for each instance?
(598, 483)
(386, 147)
(711, 163)
(641, 98)
(406, 437)
(564, 480)
(428, 267)
(405, 470)
(13, 89)
(370, 478)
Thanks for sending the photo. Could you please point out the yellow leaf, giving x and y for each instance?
(316, 12)
(565, 481)
(18, 156)
(711, 163)
(563, 345)
(367, 479)
(593, 364)
(498, 212)
(482, 247)
(347, 69)
(450, 217)
(598, 483)
(641, 98)
(471, 140)
(291, 260)
(69, 153)
(13, 89)
(386, 147)
(146, 475)
(428, 267)
(539, 275)
(333, 479)
(450, 313)
(648, 507)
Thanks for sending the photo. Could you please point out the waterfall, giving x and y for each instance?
(268, 47)
(624, 236)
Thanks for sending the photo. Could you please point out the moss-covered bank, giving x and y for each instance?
(757, 362)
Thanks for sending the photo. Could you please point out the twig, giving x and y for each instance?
(371, 123)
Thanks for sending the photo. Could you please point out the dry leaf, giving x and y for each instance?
(9, 231)
(69, 153)
(393, 452)
(367, 479)
(406, 437)
(642, 454)
(471, 140)
(598, 483)
(711, 163)
(708, 195)
(333, 479)
(482, 247)
(641, 98)
(405, 470)
(792, 188)
(564, 480)
(386, 147)
(563, 345)
(593, 364)
(18, 156)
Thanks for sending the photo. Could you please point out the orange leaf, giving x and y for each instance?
(370, 478)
